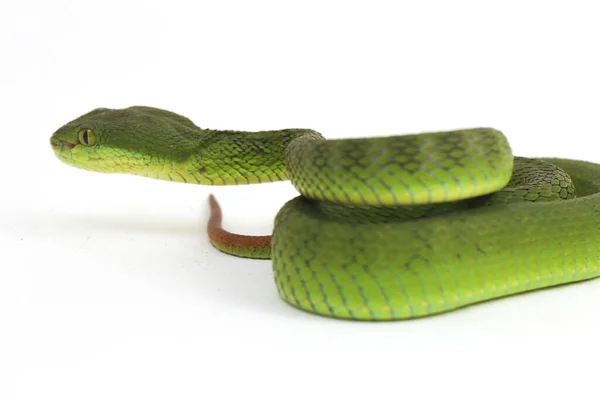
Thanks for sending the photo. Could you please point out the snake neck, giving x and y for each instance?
(222, 157)
(160, 144)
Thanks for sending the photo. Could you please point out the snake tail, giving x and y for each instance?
(247, 246)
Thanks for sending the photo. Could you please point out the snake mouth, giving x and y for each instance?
(59, 144)
(62, 150)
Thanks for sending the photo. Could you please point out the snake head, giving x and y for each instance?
(134, 140)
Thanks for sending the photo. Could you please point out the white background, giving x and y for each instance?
(108, 286)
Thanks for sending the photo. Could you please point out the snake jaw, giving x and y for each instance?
(59, 144)
(63, 150)
(89, 158)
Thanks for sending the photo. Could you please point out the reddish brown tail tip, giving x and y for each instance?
(232, 243)
(216, 216)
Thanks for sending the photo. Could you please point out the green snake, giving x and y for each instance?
(385, 228)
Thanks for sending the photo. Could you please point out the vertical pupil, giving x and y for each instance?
(85, 136)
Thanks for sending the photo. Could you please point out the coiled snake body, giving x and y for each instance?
(385, 228)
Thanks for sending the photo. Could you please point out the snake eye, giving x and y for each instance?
(87, 137)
